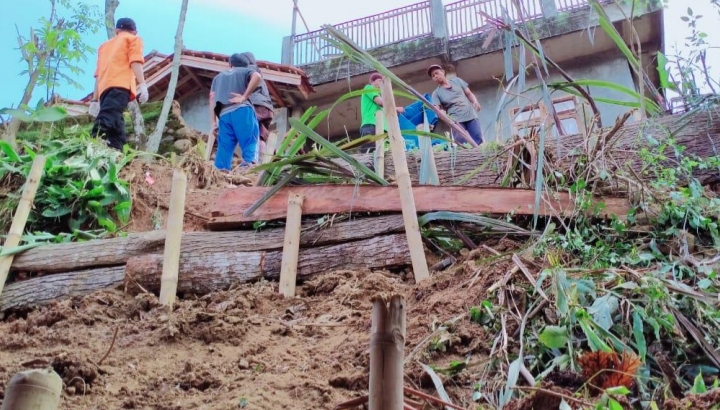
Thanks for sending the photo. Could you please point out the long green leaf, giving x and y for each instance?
(491, 223)
(337, 151)
(272, 191)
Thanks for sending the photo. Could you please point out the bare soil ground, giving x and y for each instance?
(247, 347)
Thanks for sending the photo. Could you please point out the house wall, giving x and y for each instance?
(195, 111)
(496, 121)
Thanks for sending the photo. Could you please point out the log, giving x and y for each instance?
(700, 135)
(45, 289)
(208, 272)
(116, 251)
(202, 274)
(328, 199)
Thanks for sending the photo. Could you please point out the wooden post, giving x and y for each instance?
(21, 215)
(173, 237)
(209, 146)
(379, 145)
(428, 174)
(387, 352)
(33, 389)
(270, 147)
(402, 174)
(291, 246)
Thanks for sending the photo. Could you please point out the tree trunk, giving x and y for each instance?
(10, 135)
(154, 141)
(139, 137)
(201, 273)
(204, 273)
(110, 7)
(108, 252)
(45, 289)
(484, 167)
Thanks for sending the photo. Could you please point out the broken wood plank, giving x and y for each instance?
(116, 251)
(329, 199)
(201, 274)
(45, 289)
(291, 246)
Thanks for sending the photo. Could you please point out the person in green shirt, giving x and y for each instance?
(370, 103)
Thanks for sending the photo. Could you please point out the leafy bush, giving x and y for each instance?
(80, 194)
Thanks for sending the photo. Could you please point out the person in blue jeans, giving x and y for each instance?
(455, 97)
(233, 115)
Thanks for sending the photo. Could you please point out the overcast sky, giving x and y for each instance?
(225, 26)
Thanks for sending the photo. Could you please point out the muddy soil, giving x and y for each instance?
(248, 347)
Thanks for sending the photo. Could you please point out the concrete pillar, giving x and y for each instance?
(438, 21)
(288, 50)
(549, 9)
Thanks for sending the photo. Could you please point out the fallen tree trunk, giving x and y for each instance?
(329, 199)
(206, 272)
(116, 251)
(700, 134)
(45, 289)
(201, 274)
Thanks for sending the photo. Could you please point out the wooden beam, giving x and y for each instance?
(328, 199)
(275, 93)
(194, 77)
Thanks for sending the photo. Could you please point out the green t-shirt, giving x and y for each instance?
(368, 107)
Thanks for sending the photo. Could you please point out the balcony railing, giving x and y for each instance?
(464, 17)
(461, 19)
(402, 24)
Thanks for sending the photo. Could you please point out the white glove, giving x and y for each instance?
(142, 93)
(94, 109)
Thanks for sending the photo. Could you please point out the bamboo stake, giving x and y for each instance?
(270, 147)
(209, 146)
(37, 389)
(387, 350)
(291, 247)
(428, 170)
(21, 215)
(379, 145)
(402, 174)
(171, 256)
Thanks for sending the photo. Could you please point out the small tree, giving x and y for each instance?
(53, 51)
(154, 140)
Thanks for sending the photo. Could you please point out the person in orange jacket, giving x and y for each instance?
(119, 67)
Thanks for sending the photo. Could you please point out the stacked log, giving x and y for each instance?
(209, 261)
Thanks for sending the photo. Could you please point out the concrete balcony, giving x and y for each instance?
(457, 35)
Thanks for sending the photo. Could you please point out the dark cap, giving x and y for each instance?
(375, 76)
(126, 23)
(433, 68)
(237, 60)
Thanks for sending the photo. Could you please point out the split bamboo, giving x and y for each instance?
(171, 256)
(37, 389)
(270, 147)
(209, 146)
(402, 175)
(379, 145)
(291, 247)
(21, 215)
(428, 171)
(387, 351)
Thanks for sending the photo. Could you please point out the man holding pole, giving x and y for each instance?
(455, 97)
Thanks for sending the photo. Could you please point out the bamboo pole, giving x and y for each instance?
(402, 174)
(209, 146)
(270, 147)
(21, 215)
(379, 145)
(428, 170)
(291, 247)
(37, 389)
(387, 351)
(173, 237)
